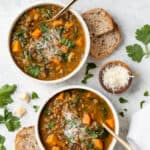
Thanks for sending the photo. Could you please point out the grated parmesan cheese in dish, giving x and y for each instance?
(115, 77)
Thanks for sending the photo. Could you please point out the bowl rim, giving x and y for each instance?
(78, 87)
(87, 43)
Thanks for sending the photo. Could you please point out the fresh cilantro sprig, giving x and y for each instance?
(136, 51)
(2, 141)
(5, 94)
(11, 122)
(88, 75)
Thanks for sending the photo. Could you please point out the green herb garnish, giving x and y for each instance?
(44, 28)
(36, 108)
(50, 124)
(123, 100)
(64, 57)
(33, 70)
(146, 93)
(11, 122)
(136, 51)
(121, 114)
(34, 95)
(47, 111)
(20, 32)
(5, 94)
(142, 104)
(2, 141)
(90, 145)
(88, 75)
(67, 42)
(48, 13)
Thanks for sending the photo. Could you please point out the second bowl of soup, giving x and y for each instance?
(69, 119)
(49, 51)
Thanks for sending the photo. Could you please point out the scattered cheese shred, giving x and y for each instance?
(115, 77)
(20, 111)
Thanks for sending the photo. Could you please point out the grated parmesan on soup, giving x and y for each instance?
(115, 77)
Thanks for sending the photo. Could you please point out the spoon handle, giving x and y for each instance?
(63, 10)
(121, 141)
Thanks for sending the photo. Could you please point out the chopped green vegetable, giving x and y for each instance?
(50, 124)
(48, 13)
(33, 70)
(67, 42)
(135, 52)
(104, 111)
(44, 28)
(87, 76)
(90, 145)
(2, 141)
(121, 114)
(36, 108)
(47, 111)
(142, 104)
(5, 94)
(34, 95)
(11, 122)
(123, 100)
(146, 93)
(20, 32)
(64, 57)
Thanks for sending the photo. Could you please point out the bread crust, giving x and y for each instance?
(119, 90)
(26, 140)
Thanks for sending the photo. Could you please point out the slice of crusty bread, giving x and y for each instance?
(105, 44)
(99, 21)
(25, 139)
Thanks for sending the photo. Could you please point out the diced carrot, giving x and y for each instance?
(36, 16)
(56, 148)
(60, 96)
(71, 56)
(36, 33)
(57, 23)
(32, 12)
(52, 140)
(68, 25)
(79, 41)
(110, 123)
(66, 35)
(56, 61)
(64, 49)
(86, 119)
(16, 46)
(98, 143)
(89, 94)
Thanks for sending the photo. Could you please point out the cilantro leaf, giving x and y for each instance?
(142, 104)
(143, 34)
(44, 28)
(5, 94)
(123, 100)
(135, 52)
(89, 67)
(34, 95)
(33, 70)
(11, 122)
(87, 76)
(50, 124)
(121, 114)
(2, 141)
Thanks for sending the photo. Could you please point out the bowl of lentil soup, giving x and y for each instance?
(66, 119)
(50, 52)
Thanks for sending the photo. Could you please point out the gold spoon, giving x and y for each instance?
(105, 126)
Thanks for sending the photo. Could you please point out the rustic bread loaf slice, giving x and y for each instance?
(105, 44)
(26, 140)
(98, 21)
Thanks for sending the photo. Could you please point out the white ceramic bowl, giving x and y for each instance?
(85, 88)
(87, 44)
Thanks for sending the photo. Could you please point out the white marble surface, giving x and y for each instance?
(129, 14)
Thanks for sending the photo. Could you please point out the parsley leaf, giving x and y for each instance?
(87, 74)
(2, 141)
(11, 122)
(123, 100)
(5, 94)
(142, 103)
(33, 70)
(34, 95)
(36, 108)
(146, 93)
(143, 34)
(135, 52)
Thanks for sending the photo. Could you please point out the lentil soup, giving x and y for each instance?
(68, 119)
(47, 50)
